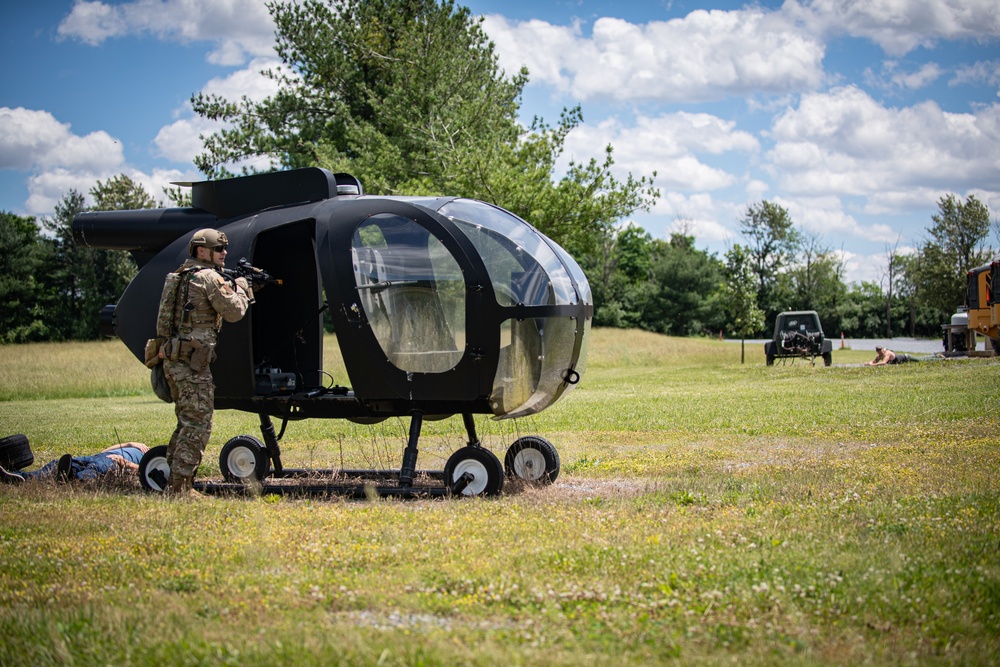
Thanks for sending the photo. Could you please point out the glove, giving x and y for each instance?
(242, 283)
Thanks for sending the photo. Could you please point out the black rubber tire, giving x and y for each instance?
(532, 459)
(770, 360)
(154, 473)
(484, 466)
(15, 453)
(244, 459)
(827, 358)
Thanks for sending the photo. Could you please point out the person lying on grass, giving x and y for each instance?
(884, 356)
(124, 457)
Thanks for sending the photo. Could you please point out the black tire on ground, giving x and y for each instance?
(827, 358)
(770, 360)
(244, 459)
(533, 459)
(15, 452)
(482, 464)
(154, 473)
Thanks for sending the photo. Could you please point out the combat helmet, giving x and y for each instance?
(208, 238)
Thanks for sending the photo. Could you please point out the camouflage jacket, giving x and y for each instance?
(201, 298)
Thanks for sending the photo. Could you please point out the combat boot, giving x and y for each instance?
(187, 489)
(176, 484)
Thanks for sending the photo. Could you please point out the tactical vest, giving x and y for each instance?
(177, 314)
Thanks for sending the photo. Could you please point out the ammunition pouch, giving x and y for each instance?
(152, 352)
(201, 354)
(170, 349)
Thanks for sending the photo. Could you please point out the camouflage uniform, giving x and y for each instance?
(199, 309)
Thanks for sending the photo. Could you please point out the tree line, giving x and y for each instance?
(408, 96)
(672, 287)
(52, 289)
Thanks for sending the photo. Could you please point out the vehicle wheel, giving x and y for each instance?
(532, 459)
(243, 459)
(481, 464)
(827, 358)
(154, 473)
(770, 360)
(15, 452)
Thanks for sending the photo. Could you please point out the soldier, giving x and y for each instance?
(196, 298)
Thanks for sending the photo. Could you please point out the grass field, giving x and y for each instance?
(708, 512)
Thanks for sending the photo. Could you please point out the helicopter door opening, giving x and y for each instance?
(287, 318)
(413, 294)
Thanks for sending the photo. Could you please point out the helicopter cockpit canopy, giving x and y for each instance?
(414, 295)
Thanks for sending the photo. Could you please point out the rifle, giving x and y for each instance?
(258, 277)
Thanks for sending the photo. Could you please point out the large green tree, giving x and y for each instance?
(618, 270)
(815, 281)
(407, 95)
(683, 298)
(22, 257)
(957, 244)
(739, 294)
(772, 245)
(80, 281)
(396, 91)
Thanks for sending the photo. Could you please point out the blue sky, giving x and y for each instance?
(856, 116)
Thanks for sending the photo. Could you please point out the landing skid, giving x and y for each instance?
(249, 465)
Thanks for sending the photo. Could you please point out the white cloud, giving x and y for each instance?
(892, 76)
(238, 28)
(860, 268)
(706, 55)
(668, 144)
(247, 82)
(898, 26)
(697, 215)
(924, 76)
(31, 139)
(180, 141)
(911, 199)
(756, 189)
(47, 188)
(844, 142)
(59, 161)
(826, 217)
(155, 182)
(987, 71)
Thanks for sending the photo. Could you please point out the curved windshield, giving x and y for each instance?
(522, 265)
(539, 360)
(413, 293)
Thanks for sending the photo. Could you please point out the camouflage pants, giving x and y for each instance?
(194, 405)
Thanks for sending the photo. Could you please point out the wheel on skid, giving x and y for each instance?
(474, 471)
(532, 459)
(15, 452)
(244, 459)
(154, 473)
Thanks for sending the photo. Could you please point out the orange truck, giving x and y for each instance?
(983, 303)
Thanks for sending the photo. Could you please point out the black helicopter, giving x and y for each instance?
(441, 305)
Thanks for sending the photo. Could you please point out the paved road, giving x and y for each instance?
(912, 345)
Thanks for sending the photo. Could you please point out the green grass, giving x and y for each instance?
(708, 512)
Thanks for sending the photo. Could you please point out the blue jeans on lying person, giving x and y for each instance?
(90, 467)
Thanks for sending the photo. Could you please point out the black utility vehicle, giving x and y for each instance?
(798, 334)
